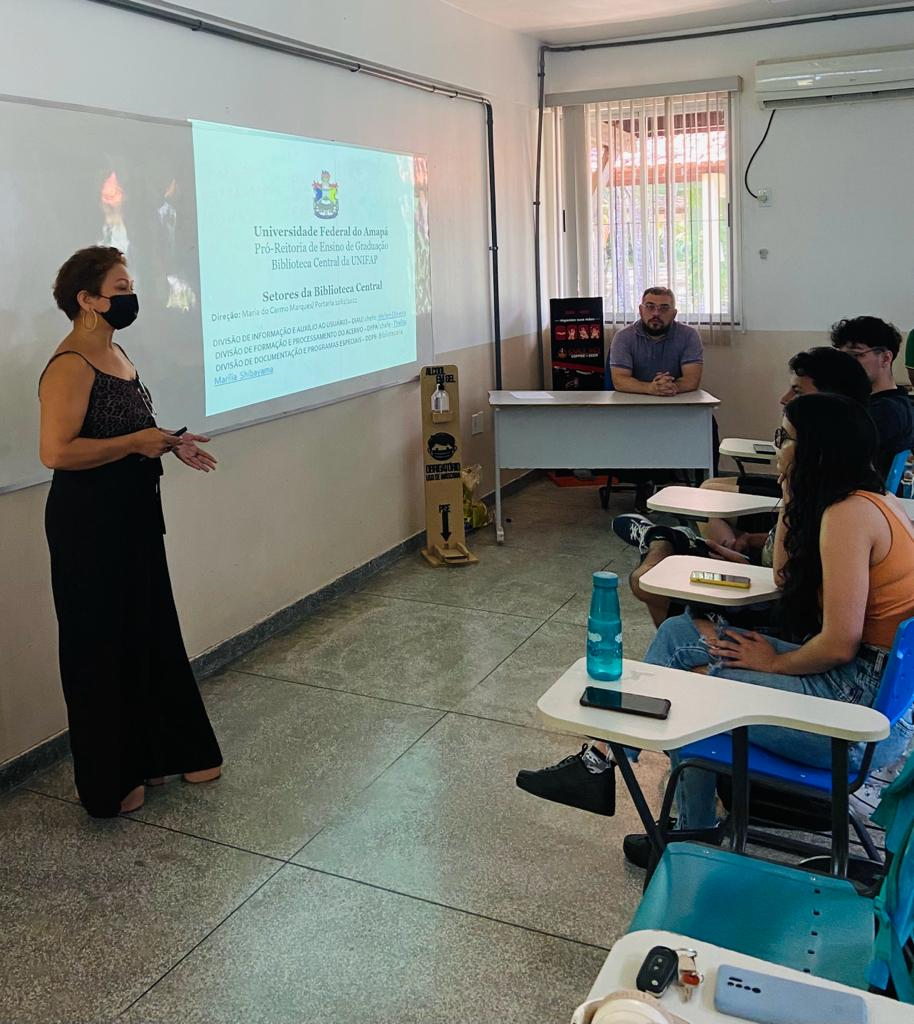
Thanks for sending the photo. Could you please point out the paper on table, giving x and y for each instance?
(533, 396)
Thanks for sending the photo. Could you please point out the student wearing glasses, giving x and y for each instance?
(133, 706)
(875, 344)
(843, 558)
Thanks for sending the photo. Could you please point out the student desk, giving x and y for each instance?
(584, 429)
(705, 706)
(741, 449)
(621, 967)
(670, 578)
(701, 503)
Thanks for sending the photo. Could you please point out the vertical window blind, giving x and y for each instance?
(661, 193)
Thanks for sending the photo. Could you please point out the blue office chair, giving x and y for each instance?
(896, 471)
(813, 923)
(800, 783)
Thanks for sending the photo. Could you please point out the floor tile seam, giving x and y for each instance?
(354, 796)
(495, 668)
(200, 941)
(561, 608)
(444, 604)
(337, 689)
(448, 906)
(169, 828)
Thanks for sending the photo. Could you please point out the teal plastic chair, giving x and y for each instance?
(813, 923)
(892, 966)
(896, 471)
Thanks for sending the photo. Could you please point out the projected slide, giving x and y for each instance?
(308, 262)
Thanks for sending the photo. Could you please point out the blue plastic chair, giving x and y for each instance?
(813, 923)
(896, 471)
(894, 698)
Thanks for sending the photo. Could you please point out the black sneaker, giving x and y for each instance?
(697, 545)
(637, 847)
(631, 527)
(570, 782)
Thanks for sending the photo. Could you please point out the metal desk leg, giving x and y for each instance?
(740, 811)
(840, 838)
(499, 528)
(644, 812)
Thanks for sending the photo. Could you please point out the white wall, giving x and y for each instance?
(840, 232)
(299, 501)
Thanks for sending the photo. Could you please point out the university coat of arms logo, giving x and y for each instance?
(326, 201)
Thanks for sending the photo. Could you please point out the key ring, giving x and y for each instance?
(690, 977)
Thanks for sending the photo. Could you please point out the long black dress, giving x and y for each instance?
(132, 701)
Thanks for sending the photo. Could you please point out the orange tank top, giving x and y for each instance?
(891, 597)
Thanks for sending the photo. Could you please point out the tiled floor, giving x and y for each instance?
(366, 857)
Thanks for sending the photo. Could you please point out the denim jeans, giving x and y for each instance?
(678, 644)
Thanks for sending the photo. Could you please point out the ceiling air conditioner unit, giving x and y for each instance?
(835, 78)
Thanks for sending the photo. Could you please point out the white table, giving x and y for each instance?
(908, 507)
(621, 967)
(583, 429)
(704, 706)
(705, 503)
(670, 578)
(742, 449)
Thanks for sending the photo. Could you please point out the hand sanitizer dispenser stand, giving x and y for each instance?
(445, 538)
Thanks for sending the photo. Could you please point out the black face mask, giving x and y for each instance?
(124, 310)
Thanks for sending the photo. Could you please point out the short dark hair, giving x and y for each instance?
(656, 289)
(866, 330)
(833, 372)
(84, 271)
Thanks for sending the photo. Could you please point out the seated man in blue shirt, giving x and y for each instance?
(656, 355)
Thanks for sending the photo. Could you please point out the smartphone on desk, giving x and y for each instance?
(627, 703)
(719, 579)
(763, 448)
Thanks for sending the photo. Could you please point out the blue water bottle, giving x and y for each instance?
(604, 628)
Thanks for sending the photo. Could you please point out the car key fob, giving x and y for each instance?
(659, 970)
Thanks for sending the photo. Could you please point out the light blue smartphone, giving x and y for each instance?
(769, 1000)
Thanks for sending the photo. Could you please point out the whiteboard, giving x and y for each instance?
(56, 195)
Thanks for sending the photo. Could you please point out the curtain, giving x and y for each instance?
(660, 206)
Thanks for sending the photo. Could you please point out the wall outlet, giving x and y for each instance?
(476, 423)
(764, 197)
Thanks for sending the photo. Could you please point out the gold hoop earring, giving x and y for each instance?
(86, 320)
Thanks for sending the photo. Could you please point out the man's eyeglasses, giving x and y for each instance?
(652, 308)
(781, 437)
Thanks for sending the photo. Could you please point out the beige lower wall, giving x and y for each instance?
(296, 503)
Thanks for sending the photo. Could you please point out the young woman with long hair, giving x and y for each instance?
(844, 557)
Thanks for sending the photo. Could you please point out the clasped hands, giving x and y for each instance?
(664, 384)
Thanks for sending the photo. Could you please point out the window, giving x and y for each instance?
(660, 204)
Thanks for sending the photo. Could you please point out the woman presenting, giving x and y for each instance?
(134, 710)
